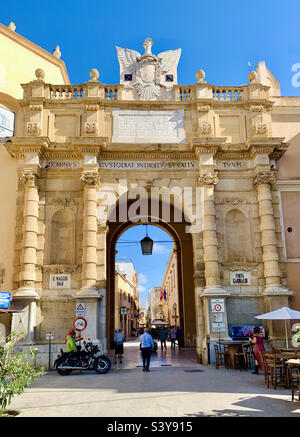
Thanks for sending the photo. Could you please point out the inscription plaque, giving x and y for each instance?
(132, 126)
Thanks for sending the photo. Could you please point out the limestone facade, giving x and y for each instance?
(81, 151)
(126, 298)
(170, 288)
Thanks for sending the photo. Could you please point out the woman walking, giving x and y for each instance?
(118, 339)
(259, 346)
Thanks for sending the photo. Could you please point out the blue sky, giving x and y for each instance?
(218, 36)
(150, 268)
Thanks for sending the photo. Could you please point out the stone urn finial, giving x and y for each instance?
(12, 26)
(57, 52)
(39, 74)
(94, 74)
(252, 76)
(200, 75)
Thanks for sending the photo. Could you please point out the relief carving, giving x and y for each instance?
(33, 127)
(90, 127)
(264, 177)
(208, 178)
(91, 179)
(260, 129)
(205, 129)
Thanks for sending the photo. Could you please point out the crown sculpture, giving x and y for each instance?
(147, 70)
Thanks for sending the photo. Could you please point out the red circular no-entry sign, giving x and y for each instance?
(80, 323)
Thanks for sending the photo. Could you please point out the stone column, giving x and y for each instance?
(275, 295)
(210, 242)
(90, 182)
(30, 231)
(26, 296)
(89, 293)
(263, 181)
(213, 289)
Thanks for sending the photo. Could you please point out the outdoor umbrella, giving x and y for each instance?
(283, 313)
(159, 323)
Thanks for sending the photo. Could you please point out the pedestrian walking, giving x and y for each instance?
(259, 346)
(146, 346)
(179, 337)
(162, 337)
(173, 337)
(119, 350)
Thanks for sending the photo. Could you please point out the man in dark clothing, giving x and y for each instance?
(162, 337)
(179, 337)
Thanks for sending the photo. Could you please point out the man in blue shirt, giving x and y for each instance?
(146, 346)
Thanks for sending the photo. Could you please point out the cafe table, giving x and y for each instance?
(232, 347)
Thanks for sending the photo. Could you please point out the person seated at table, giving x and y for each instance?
(259, 346)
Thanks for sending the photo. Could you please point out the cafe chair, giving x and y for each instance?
(275, 371)
(221, 357)
(248, 356)
(294, 380)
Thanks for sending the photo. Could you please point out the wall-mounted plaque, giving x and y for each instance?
(60, 281)
(240, 278)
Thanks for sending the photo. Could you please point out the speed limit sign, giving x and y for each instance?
(80, 324)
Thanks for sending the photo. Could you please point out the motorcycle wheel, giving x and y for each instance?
(102, 365)
(62, 372)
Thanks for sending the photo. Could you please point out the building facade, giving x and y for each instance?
(155, 305)
(217, 167)
(170, 290)
(127, 298)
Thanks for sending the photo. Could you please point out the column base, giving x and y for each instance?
(277, 290)
(215, 290)
(89, 292)
(26, 293)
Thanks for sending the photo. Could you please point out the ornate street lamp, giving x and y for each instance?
(147, 244)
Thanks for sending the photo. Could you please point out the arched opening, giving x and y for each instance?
(185, 267)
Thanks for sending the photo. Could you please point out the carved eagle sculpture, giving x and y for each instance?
(148, 68)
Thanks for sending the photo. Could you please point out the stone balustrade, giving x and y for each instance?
(227, 94)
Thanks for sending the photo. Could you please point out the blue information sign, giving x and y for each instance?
(5, 297)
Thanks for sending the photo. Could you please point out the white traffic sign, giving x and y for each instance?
(49, 336)
(80, 309)
(80, 324)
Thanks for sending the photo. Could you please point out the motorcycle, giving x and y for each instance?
(92, 359)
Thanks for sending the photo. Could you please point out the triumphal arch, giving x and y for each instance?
(198, 160)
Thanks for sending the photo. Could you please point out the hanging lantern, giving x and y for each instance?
(147, 244)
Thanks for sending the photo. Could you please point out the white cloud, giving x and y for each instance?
(160, 249)
(141, 288)
(142, 279)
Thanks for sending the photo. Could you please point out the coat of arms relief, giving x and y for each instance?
(148, 70)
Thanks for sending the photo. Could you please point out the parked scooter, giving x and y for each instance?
(91, 358)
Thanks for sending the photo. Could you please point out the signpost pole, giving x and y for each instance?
(49, 366)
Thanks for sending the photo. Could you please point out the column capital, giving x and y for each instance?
(90, 179)
(209, 178)
(264, 177)
(28, 177)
